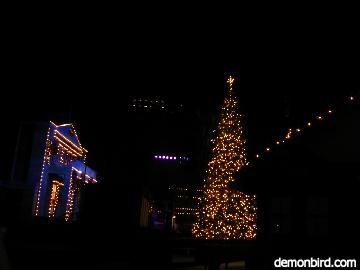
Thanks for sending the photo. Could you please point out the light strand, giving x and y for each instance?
(299, 130)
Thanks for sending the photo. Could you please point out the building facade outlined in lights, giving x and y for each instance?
(58, 172)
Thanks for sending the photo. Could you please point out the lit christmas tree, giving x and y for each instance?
(225, 213)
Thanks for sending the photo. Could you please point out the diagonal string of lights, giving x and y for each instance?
(296, 131)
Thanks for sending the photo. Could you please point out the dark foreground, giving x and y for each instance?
(55, 246)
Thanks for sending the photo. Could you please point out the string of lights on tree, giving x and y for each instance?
(296, 131)
(225, 213)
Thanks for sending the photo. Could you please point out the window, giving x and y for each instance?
(317, 216)
(281, 218)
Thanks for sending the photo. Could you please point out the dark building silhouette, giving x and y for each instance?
(306, 192)
(162, 139)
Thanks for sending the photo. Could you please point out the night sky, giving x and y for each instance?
(284, 74)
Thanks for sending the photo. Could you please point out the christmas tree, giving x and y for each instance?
(225, 213)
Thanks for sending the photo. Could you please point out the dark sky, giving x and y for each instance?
(100, 69)
(95, 68)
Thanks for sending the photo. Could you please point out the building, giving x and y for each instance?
(185, 201)
(48, 174)
(59, 160)
(306, 191)
(143, 104)
(163, 139)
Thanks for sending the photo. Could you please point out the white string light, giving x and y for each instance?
(289, 134)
